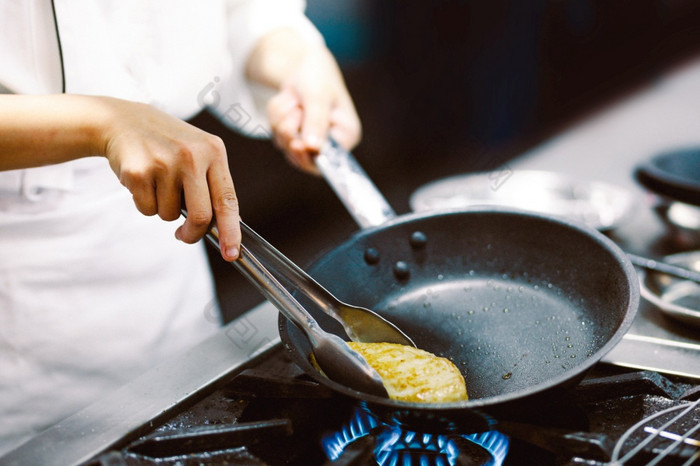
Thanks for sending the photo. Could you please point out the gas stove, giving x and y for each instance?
(271, 414)
(238, 399)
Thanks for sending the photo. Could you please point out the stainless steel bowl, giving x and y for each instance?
(682, 220)
(677, 298)
(673, 179)
(600, 205)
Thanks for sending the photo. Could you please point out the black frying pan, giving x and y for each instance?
(523, 304)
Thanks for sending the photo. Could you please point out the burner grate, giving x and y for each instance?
(665, 437)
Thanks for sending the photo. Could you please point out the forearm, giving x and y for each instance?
(40, 130)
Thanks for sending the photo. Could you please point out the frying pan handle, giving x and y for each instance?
(361, 198)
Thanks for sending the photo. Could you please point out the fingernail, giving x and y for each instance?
(177, 235)
(232, 253)
(313, 141)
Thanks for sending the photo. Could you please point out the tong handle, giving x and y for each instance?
(284, 268)
(258, 275)
(335, 358)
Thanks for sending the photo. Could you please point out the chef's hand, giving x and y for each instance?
(312, 101)
(157, 157)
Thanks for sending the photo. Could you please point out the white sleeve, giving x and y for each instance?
(239, 103)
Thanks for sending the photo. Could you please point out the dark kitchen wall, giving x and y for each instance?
(445, 87)
(471, 83)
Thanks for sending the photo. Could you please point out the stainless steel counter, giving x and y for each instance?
(155, 395)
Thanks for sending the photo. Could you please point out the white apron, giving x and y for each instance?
(92, 293)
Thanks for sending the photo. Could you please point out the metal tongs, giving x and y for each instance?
(360, 324)
(267, 266)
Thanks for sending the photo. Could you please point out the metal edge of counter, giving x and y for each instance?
(125, 412)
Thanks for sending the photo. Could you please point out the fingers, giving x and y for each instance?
(136, 177)
(300, 130)
(199, 211)
(286, 120)
(170, 158)
(226, 210)
(144, 196)
(345, 126)
(212, 196)
(279, 106)
(154, 189)
(316, 119)
(312, 104)
(216, 200)
(168, 189)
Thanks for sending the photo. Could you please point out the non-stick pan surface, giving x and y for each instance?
(523, 304)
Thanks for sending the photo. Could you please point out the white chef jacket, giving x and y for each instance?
(92, 293)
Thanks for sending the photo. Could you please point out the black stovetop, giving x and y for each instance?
(272, 414)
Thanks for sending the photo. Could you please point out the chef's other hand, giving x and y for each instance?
(158, 157)
(312, 101)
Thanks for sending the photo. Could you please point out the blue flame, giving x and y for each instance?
(494, 442)
(360, 424)
(397, 447)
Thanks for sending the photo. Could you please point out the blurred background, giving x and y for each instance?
(447, 87)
